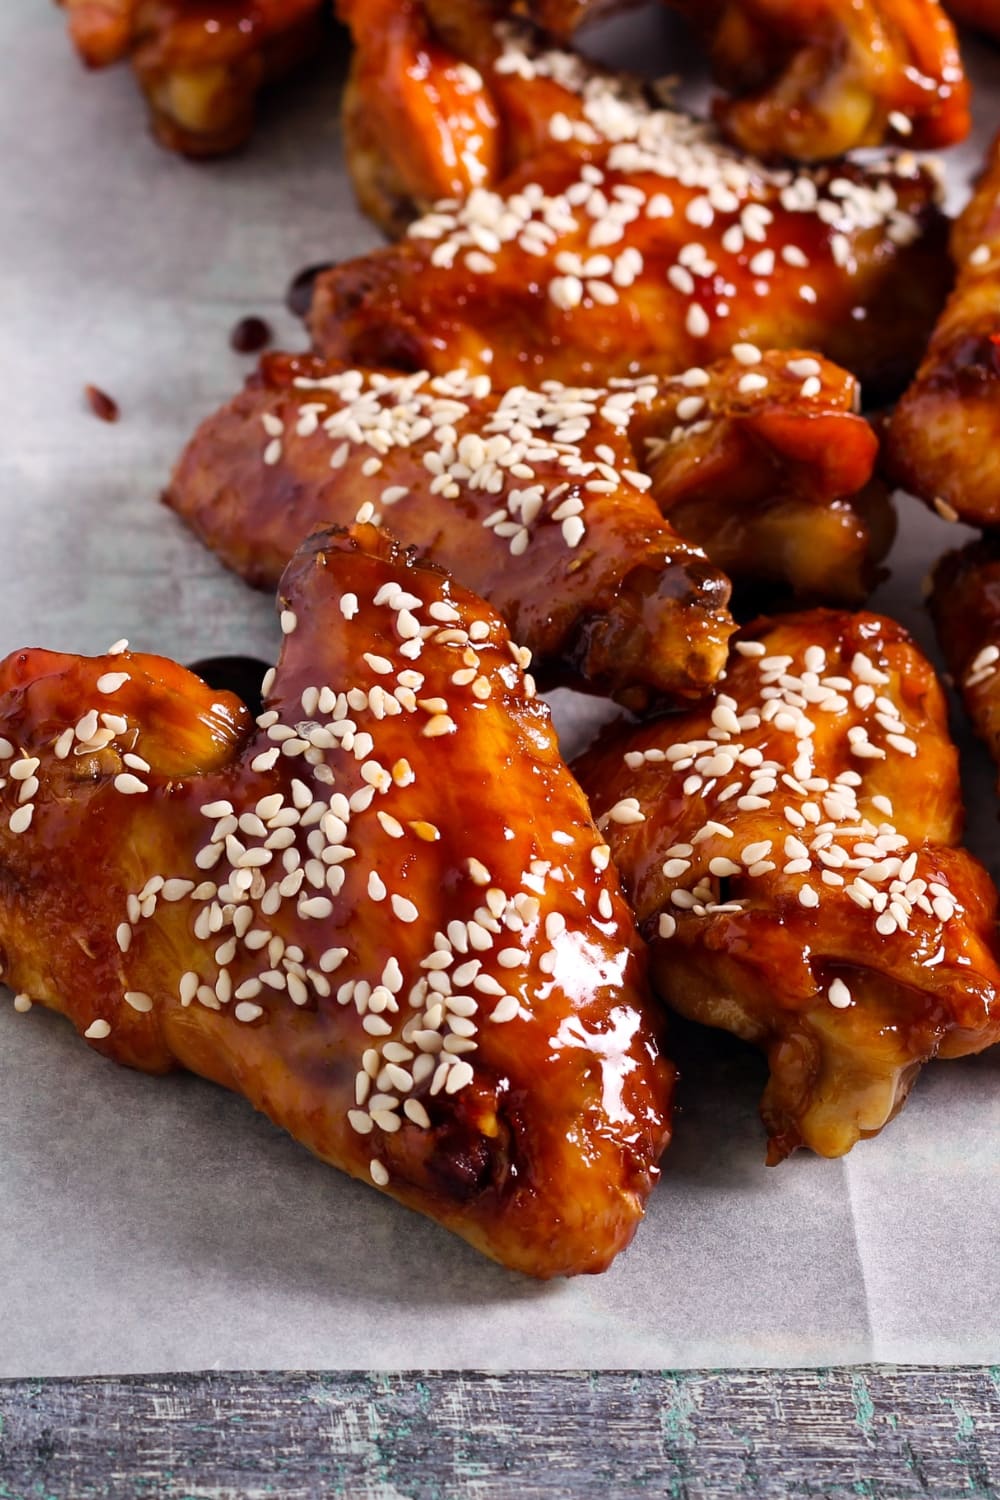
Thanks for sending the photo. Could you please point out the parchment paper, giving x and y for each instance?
(152, 1225)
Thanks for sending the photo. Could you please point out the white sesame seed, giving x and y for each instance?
(696, 322)
(138, 1001)
(839, 995)
(129, 785)
(626, 812)
(110, 682)
(97, 1031)
(316, 907)
(247, 1011)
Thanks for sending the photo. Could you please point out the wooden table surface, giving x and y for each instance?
(878, 1434)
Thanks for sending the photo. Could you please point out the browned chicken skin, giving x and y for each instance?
(200, 63)
(631, 240)
(763, 460)
(814, 79)
(548, 503)
(965, 605)
(942, 441)
(534, 499)
(396, 933)
(789, 852)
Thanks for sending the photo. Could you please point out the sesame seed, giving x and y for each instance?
(696, 321)
(247, 1011)
(138, 1001)
(316, 907)
(97, 1031)
(110, 682)
(626, 812)
(129, 785)
(266, 761)
(839, 995)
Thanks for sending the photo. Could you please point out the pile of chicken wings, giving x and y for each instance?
(620, 407)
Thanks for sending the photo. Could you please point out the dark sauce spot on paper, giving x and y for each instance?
(250, 335)
(101, 404)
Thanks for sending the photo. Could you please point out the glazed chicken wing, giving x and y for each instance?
(635, 241)
(965, 604)
(200, 62)
(760, 459)
(943, 437)
(763, 460)
(814, 79)
(382, 912)
(789, 850)
(532, 498)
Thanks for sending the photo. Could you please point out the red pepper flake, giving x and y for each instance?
(250, 335)
(995, 338)
(101, 404)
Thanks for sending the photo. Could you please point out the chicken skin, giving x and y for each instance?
(813, 79)
(533, 499)
(965, 605)
(763, 460)
(383, 912)
(789, 850)
(943, 437)
(632, 240)
(200, 63)
(548, 503)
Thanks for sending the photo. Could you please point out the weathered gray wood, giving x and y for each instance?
(878, 1434)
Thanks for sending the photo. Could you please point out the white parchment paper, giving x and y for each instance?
(152, 1225)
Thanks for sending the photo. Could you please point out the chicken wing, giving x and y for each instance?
(636, 241)
(532, 498)
(814, 79)
(942, 439)
(789, 852)
(336, 911)
(760, 459)
(965, 605)
(200, 62)
(763, 460)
